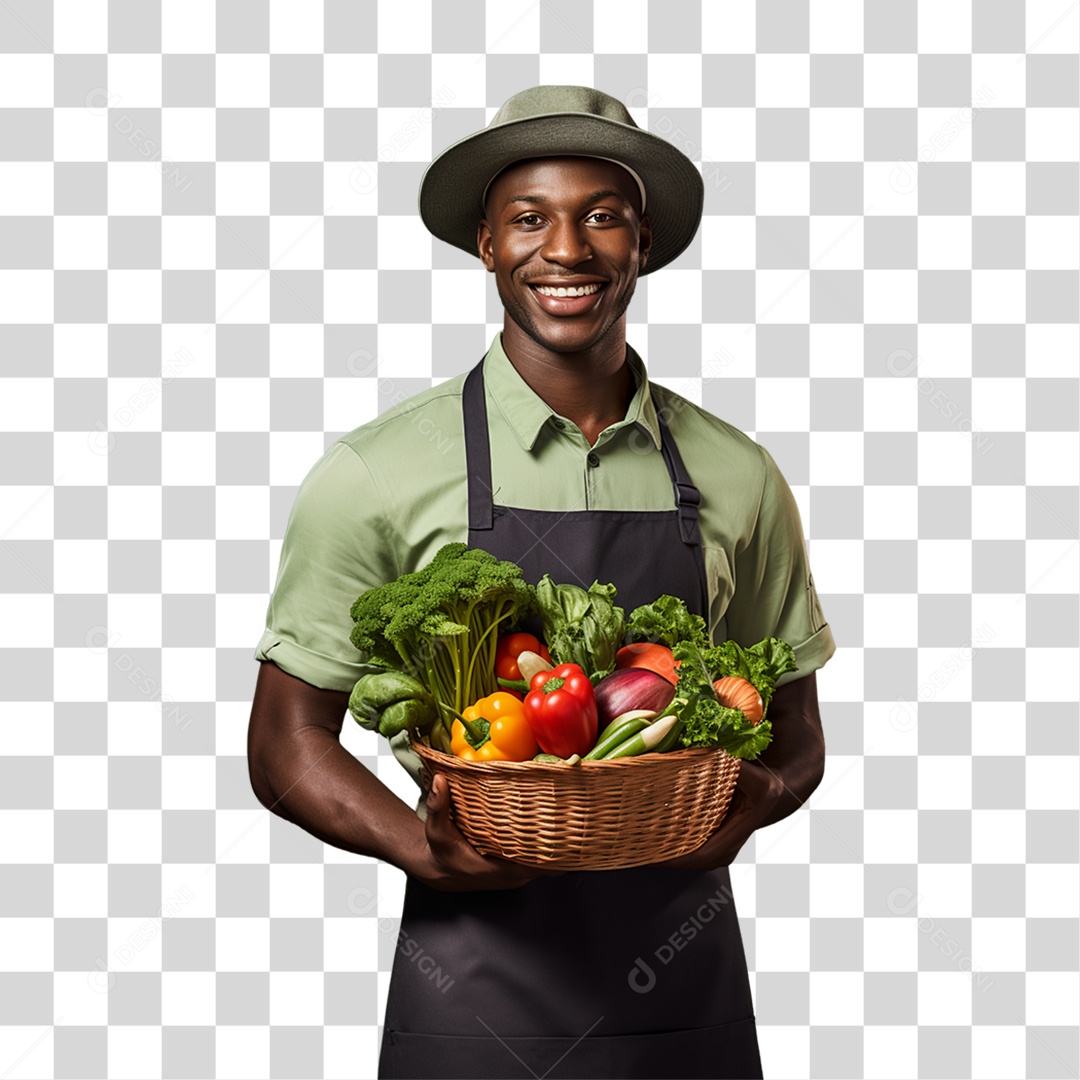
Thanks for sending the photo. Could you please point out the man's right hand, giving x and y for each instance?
(450, 863)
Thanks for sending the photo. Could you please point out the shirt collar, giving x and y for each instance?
(526, 412)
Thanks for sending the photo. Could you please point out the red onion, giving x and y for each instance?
(631, 688)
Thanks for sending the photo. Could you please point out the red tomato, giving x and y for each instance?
(510, 647)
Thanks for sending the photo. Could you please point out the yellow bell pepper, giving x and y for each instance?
(500, 719)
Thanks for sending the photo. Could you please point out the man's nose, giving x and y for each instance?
(566, 243)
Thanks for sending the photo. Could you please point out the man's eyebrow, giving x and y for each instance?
(593, 196)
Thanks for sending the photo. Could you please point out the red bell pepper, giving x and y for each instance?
(561, 710)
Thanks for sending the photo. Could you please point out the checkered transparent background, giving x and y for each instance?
(207, 212)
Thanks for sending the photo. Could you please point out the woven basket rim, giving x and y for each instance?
(674, 757)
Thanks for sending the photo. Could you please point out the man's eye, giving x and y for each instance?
(529, 219)
(602, 214)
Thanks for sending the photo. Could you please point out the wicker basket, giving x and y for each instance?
(597, 815)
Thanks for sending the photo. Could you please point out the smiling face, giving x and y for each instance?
(566, 242)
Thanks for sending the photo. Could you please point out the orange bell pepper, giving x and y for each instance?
(499, 719)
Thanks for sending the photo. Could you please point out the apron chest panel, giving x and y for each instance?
(578, 975)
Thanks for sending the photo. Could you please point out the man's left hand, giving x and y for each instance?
(757, 791)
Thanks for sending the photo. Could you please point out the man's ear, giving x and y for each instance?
(483, 245)
(644, 242)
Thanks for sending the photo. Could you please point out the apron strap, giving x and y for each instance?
(478, 464)
(687, 496)
(477, 450)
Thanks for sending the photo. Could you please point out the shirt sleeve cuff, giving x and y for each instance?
(325, 672)
(810, 655)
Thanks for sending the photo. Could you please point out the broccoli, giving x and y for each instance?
(441, 623)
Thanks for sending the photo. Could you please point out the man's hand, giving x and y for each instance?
(777, 784)
(447, 861)
(757, 791)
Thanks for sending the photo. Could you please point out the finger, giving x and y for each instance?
(444, 837)
(433, 796)
(750, 772)
(763, 784)
(439, 826)
(753, 779)
(436, 793)
(438, 801)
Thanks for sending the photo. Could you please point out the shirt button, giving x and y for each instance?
(558, 423)
(593, 460)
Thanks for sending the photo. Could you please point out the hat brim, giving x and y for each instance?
(452, 184)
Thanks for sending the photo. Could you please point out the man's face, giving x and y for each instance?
(569, 223)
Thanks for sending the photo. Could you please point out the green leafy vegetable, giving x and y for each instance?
(391, 701)
(736, 735)
(761, 664)
(667, 621)
(584, 627)
(440, 624)
(705, 721)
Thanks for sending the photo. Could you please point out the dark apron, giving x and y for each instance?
(611, 973)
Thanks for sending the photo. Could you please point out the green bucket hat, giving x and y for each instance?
(563, 121)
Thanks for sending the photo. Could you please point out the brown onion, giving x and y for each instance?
(738, 693)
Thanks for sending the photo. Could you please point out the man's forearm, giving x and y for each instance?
(797, 751)
(319, 786)
(801, 778)
(300, 771)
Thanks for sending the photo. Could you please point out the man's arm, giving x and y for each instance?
(300, 771)
(797, 751)
(776, 783)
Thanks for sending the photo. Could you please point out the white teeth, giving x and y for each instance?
(581, 290)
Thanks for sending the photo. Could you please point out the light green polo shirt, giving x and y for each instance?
(385, 497)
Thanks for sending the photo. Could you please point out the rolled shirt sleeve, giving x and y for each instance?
(774, 590)
(337, 544)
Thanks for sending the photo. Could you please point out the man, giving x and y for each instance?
(558, 453)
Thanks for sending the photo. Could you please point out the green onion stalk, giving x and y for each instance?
(461, 667)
